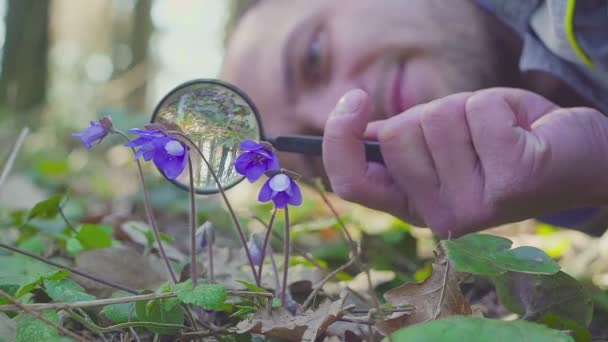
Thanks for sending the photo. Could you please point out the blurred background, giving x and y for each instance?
(66, 62)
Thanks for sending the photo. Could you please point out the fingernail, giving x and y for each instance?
(350, 102)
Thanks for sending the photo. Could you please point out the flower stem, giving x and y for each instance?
(71, 269)
(210, 257)
(266, 239)
(148, 208)
(286, 260)
(193, 270)
(225, 198)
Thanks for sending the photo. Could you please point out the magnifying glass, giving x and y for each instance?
(217, 116)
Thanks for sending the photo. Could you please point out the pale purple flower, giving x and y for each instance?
(255, 251)
(282, 190)
(256, 160)
(168, 154)
(96, 131)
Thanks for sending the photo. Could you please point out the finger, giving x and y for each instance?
(408, 159)
(447, 135)
(350, 175)
(503, 117)
(372, 129)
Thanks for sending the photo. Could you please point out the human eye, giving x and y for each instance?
(315, 64)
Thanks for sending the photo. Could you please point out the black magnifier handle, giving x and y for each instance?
(311, 145)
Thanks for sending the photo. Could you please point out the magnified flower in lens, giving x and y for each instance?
(282, 190)
(167, 153)
(96, 131)
(256, 159)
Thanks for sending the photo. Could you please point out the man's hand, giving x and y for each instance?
(470, 161)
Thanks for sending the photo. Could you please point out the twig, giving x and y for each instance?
(211, 241)
(148, 209)
(445, 280)
(266, 240)
(193, 270)
(89, 324)
(355, 250)
(65, 219)
(38, 316)
(393, 310)
(14, 152)
(369, 325)
(108, 301)
(286, 251)
(71, 269)
(320, 284)
(225, 198)
(356, 320)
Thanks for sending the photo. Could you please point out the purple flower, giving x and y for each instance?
(257, 159)
(282, 190)
(96, 131)
(169, 155)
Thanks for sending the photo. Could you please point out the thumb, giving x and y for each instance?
(343, 148)
(351, 176)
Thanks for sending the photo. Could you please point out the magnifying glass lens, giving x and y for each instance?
(217, 117)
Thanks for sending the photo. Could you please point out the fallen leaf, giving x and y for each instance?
(123, 265)
(304, 327)
(359, 283)
(135, 230)
(425, 297)
(300, 278)
(536, 295)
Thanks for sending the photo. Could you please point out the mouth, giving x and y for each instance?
(398, 94)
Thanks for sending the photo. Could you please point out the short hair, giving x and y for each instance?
(236, 11)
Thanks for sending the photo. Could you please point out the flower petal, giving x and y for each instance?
(273, 163)
(250, 145)
(280, 200)
(265, 193)
(295, 197)
(242, 162)
(255, 172)
(170, 166)
(280, 182)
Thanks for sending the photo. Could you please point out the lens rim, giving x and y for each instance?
(232, 88)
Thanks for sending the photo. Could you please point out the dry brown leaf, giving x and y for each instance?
(300, 278)
(304, 327)
(123, 265)
(135, 231)
(359, 283)
(425, 297)
(230, 265)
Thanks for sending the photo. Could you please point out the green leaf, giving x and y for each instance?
(579, 333)
(31, 329)
(46, 209)
(490, 255)
(93, 236)
(66, 290)
(156, 311)
(252, 287)
(35, 244)
(209, 297)
(37, 281)
(458, 329)
(119, 313)
(73, 246)
(536, 295)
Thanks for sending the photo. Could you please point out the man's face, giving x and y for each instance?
(296, 58)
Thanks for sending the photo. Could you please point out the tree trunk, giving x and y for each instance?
(24, 62)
